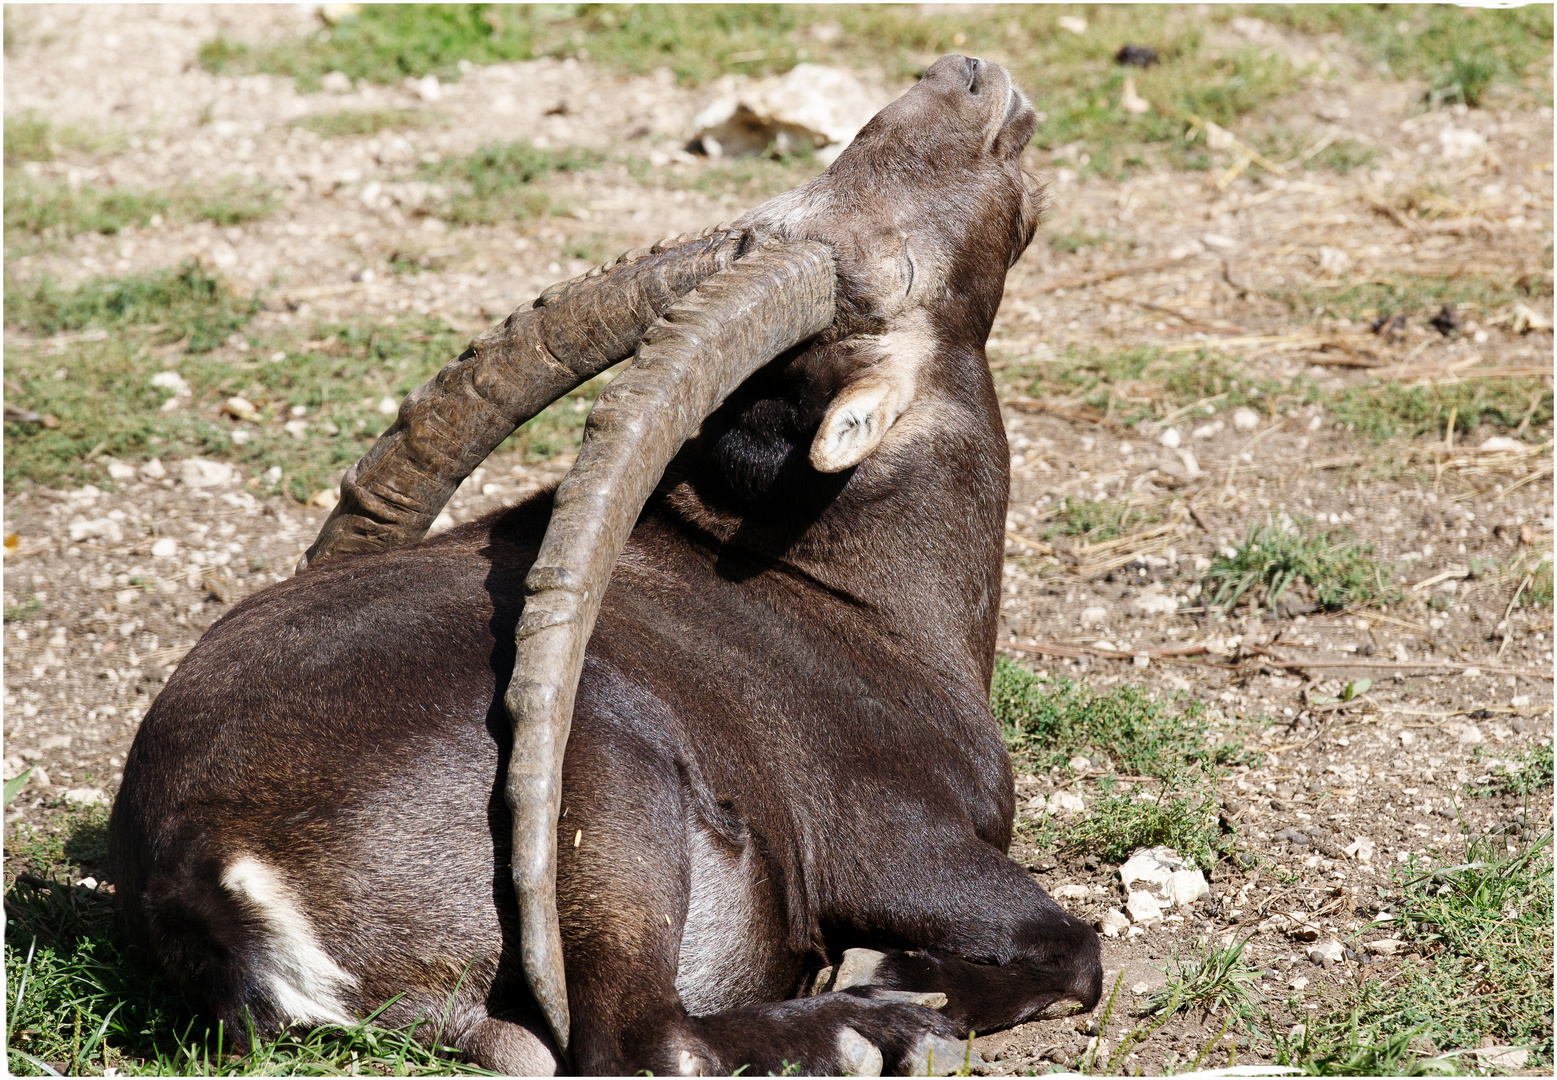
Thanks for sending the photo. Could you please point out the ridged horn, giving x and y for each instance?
(509, 373)
(687, 364)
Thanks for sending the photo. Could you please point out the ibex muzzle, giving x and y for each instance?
(746, 672)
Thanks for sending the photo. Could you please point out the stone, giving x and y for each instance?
(1143, 908)
(813, 107)
(1326, 952)
(857, 968)
(119, 470)
(1079, 764)
(1153, 601)
(1385, 946)
(1170, 438)
(1063, 802)
(200, 473)
(857, 1055)
(939, 1056)
(335, 82)
(86, 796)
(1503, 1057)
(1094, 616)
(240, 408)
(1245, 419)
(1302, 929)
(153, 470)
(1155, 866)
(1071, 892)
(171, 380)
(1187, 886)
(96, 529)
(1360, 849)
(1470, 734)
(1113, 922)
(165, 548)
(1500, 442)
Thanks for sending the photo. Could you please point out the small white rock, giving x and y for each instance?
(1071, 892)
(1326, 952)
(1155, 866)
(335, 82)
(1187, 886)
(1094, 616)
(1206, 431)
(1407, 738)
(388, 406)
(1074, 23)
(153, 470)
(1079, 764)
(1143, 908)
(1520, 701)
(429, 89)
(119, 470)
(1113, 923)
(1470, 735)
(1501, 442)
(165, 548)
(200, 473)
(1384, 946)
(1299, 983)
(1170, 438)
(171, 380)
(1063, 802)
(96, 529)
(1140, 988)
(1245, 419)
(87, 796)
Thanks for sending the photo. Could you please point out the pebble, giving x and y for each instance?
(1326, 952)
(165, 548)
(1384, 946)
(200, 473)
(1092, 616)
(1143, 908)
(1170, 438)
(1113, 922)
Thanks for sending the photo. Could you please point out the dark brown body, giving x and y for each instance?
(781, 750)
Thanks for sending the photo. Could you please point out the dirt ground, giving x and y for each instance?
(1450, 681)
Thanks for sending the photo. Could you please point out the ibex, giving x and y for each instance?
(779, 747)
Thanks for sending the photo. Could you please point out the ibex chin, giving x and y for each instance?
(779, 749)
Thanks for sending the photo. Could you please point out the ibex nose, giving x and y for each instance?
(973, 70)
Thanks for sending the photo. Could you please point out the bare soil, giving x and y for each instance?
(115, 620)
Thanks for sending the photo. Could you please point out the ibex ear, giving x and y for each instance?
(854, 425)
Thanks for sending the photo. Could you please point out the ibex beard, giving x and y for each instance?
(688, 766)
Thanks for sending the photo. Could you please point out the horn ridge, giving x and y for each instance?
(508, 374)
(687, 363)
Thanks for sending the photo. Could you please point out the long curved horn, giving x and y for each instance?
(509, 373)
(687, 364)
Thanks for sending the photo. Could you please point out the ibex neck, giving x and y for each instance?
(913, 538)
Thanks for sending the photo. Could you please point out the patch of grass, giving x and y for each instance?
(1216, 981)
(337, 373)
(1528, 771)
(1402, 293)
(1097, 521)
(35, 209)
(1336, 568)
(384, 43)
(30, 138)
(1482, 931)
(498, 181)
(1539, 592)
(1047, 721)
(351, 123)
(1461, 52)
(25, 606)
(1387, 410)
(185, 304)
(1117, 825)
(1146, 383)
(77, 1004)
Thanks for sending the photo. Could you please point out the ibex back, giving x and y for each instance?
(781, 748)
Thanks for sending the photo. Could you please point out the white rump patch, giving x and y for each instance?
(302, 979)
